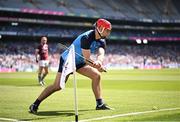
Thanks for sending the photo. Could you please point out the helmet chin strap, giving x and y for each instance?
(102, 37)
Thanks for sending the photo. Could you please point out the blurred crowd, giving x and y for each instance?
(143, 56)
(20, 56)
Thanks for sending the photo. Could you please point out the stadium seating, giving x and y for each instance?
(20, 57)
(53, 31)
(115, 9)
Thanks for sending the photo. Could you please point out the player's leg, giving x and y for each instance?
(45, 93)
(40, 73)
(45, 67)
(48, 90)
(51, 88)
(44, 74)
(95, 76)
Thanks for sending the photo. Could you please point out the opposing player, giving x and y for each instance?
(85, 44)
(41, 54)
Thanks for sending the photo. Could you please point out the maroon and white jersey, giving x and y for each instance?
(43, 51)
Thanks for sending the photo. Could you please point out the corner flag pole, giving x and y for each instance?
(75, 85)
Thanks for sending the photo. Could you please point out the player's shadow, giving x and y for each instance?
(60, 113)
(51, 114)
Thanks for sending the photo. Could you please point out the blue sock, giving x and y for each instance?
(99, 101)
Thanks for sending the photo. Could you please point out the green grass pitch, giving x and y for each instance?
(125, 90)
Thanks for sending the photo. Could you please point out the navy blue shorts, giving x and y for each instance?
(62, 62)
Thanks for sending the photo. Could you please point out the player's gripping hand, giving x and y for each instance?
(101, 69)
(97, 64)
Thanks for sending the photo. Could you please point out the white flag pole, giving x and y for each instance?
(75, 85)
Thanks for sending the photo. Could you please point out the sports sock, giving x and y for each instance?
(37, 102)
(99, 101)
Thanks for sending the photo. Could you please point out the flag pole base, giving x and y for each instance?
(76, 118)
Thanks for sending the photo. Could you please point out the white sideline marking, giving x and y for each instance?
(12, 120)
(128, 114)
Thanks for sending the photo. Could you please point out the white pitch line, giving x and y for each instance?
(12, 120)
(128, 114)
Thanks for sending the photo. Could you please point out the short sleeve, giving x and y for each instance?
(103, 44)
(85, 42)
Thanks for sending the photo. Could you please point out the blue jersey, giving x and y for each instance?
(85, 41)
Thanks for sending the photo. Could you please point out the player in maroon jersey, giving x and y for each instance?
(41, 54)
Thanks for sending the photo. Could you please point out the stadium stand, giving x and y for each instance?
(115, 9)
(158, 22)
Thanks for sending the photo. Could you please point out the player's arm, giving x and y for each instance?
(96, 64)
(86, 54)
(37, 54)
(100, 58)
(85, 45)
(100, 55)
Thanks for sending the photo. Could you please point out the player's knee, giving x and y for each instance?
(46, 72)
(57, 88)
(97, 77)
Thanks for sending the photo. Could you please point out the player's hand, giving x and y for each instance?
(101, 69)
(97, 64)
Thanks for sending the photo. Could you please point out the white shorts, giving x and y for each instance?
(43, 63)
